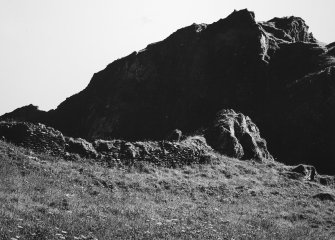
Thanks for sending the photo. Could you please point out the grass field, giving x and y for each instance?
(44, 197)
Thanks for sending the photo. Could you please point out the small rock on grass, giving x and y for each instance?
(325, 197)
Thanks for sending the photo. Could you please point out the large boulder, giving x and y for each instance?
(235, 135)
(37, 137)
(307, 171)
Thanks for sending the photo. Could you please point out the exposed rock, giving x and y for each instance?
(291, 29)
(39, 137)
(235, 135)
(178, 83)
(307, 171)
(80, 146)
(107, 146)
(129, 150)
(325, 197)
(304, 132)
(190, 150)
(175, 135)
(326, 180)
(29, 113)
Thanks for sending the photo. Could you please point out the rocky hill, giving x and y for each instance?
(276, 72)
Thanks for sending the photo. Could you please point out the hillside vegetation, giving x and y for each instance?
(46, 197)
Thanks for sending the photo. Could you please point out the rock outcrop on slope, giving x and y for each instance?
(81, 147)
(235, 135)
(307, 171)
(39, 137)
(276, 72)
(231, 128)
(191, 150)
(174, 152)
(42, 139)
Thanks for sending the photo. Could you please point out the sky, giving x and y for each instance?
(49, 49)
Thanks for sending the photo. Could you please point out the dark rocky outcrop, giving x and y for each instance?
(326, 180)
(325, 197)
(231, 127)
(80, 146)
(166, 153)
(276, 72)
(39, 138)
(331, 49)
(29, 113)
(235, 135)
(42, 139)
(307, 171)
(304, 131)
(290, 29)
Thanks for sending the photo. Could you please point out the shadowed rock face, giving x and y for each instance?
(176, 83)
(304, 131)
(39, 138)
(275, 72)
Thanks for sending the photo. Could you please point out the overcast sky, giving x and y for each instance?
(49, 49)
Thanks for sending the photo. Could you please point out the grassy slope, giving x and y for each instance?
(43, 197)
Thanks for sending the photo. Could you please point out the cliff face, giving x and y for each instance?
(180, 82)
(275, 72)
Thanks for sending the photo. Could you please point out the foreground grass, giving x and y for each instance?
(43, 197)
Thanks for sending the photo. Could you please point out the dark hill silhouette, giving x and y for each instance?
(276, 72)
